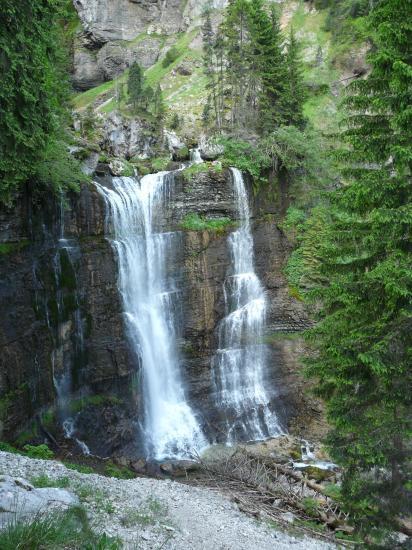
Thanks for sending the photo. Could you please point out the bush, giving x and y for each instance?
(39, 451)
(120, 472)
(7, 448)
(170, 56)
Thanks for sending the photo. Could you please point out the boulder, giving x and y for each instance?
(87, 73)
(19, 500)
(179, 468)
(209, 150)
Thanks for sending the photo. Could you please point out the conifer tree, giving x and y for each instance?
(364, 339)
(33, 90)
(135, 84)
(294, 94)
(267, 49)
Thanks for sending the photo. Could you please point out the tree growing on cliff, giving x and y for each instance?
(270, 65)
(34, 90)
(364, 339)
(135, 84)
(295, 92)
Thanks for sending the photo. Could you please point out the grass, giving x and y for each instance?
(69, 530)
(81, 468)
(194, 170)
(148, 514)
(119, 472)
(194, 222)
(97, 498)
(45, 481)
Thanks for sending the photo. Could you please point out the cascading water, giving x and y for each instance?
(240, 364)
(151, 301)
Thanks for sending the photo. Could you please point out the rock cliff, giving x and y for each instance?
(114, 33)
(63, 347)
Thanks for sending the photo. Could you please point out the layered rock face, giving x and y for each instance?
(115, 33)
(63, 315)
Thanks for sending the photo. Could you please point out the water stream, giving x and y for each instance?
(151, 300)
(241, 361)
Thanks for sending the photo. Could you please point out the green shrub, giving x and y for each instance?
(193, 222)
(120, 472)
(81, 468)
(160, 164)
(45, 481)
(69, 529)
(39, 451)
(7, 448)
(170, 56)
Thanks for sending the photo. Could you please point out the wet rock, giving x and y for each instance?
(179, 468)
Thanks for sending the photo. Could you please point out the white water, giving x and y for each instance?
(151, 301)
(195, 156)
(240, 364)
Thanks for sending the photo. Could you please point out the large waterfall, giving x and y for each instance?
(240, 364)
(151, 301)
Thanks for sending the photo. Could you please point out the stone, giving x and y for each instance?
(19, 500)
(127, 138)
(86, 71)
(139, 466)
(288, 517)
(209, 150)
(179, 468)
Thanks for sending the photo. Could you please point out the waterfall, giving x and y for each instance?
(240, 364)
(151, 301)
(195, 156)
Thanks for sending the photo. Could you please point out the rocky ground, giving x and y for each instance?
(153, 514)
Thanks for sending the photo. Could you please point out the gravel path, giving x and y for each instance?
(161, 514)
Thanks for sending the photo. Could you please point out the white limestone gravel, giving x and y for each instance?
(161, 514)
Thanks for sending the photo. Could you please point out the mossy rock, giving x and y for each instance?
(318, 474)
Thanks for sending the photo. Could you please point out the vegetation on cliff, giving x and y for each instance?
(34, 98)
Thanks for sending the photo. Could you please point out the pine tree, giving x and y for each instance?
(295, 93)
(33, 90)
(364, 339)
(135, 84)
(270, 64)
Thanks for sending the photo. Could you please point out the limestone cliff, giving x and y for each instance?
(62, 314)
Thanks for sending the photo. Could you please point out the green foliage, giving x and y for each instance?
(364, 338)
(81, 468)
(10, 248)
(244, 156)
(69, 529)
(175, 123)
(33, 95)
(170, 56)
(194, 222)
(253, 84)
(195, 169)
(45, 481)
(160, 164)
(39, 451)
(135, 84)
(119, 472)
(7, 448)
